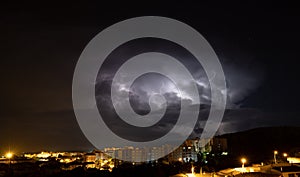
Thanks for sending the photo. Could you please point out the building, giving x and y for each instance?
(186, 152)
(89, 160)
(190, 150)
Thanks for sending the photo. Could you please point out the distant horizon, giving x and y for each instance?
(93, 148)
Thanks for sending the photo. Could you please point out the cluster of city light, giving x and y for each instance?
(9, 155)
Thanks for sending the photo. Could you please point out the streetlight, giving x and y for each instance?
(285, 156)
(243, 160)
(275, 153)
(9, 155)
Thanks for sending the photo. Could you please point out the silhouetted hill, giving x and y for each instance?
(259, 144)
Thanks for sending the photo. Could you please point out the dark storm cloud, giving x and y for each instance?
(242, 79)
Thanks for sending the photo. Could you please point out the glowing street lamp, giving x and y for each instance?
(9, 155)
(275, 153)
(285, 155)
(243, 160)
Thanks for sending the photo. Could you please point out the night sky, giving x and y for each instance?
(257, 44)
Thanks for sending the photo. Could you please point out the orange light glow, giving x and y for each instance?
(9, 155)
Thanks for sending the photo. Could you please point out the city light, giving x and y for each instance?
(9, 155)
(243, 160)
(192, 174)
(275, 153)
(285, 154)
